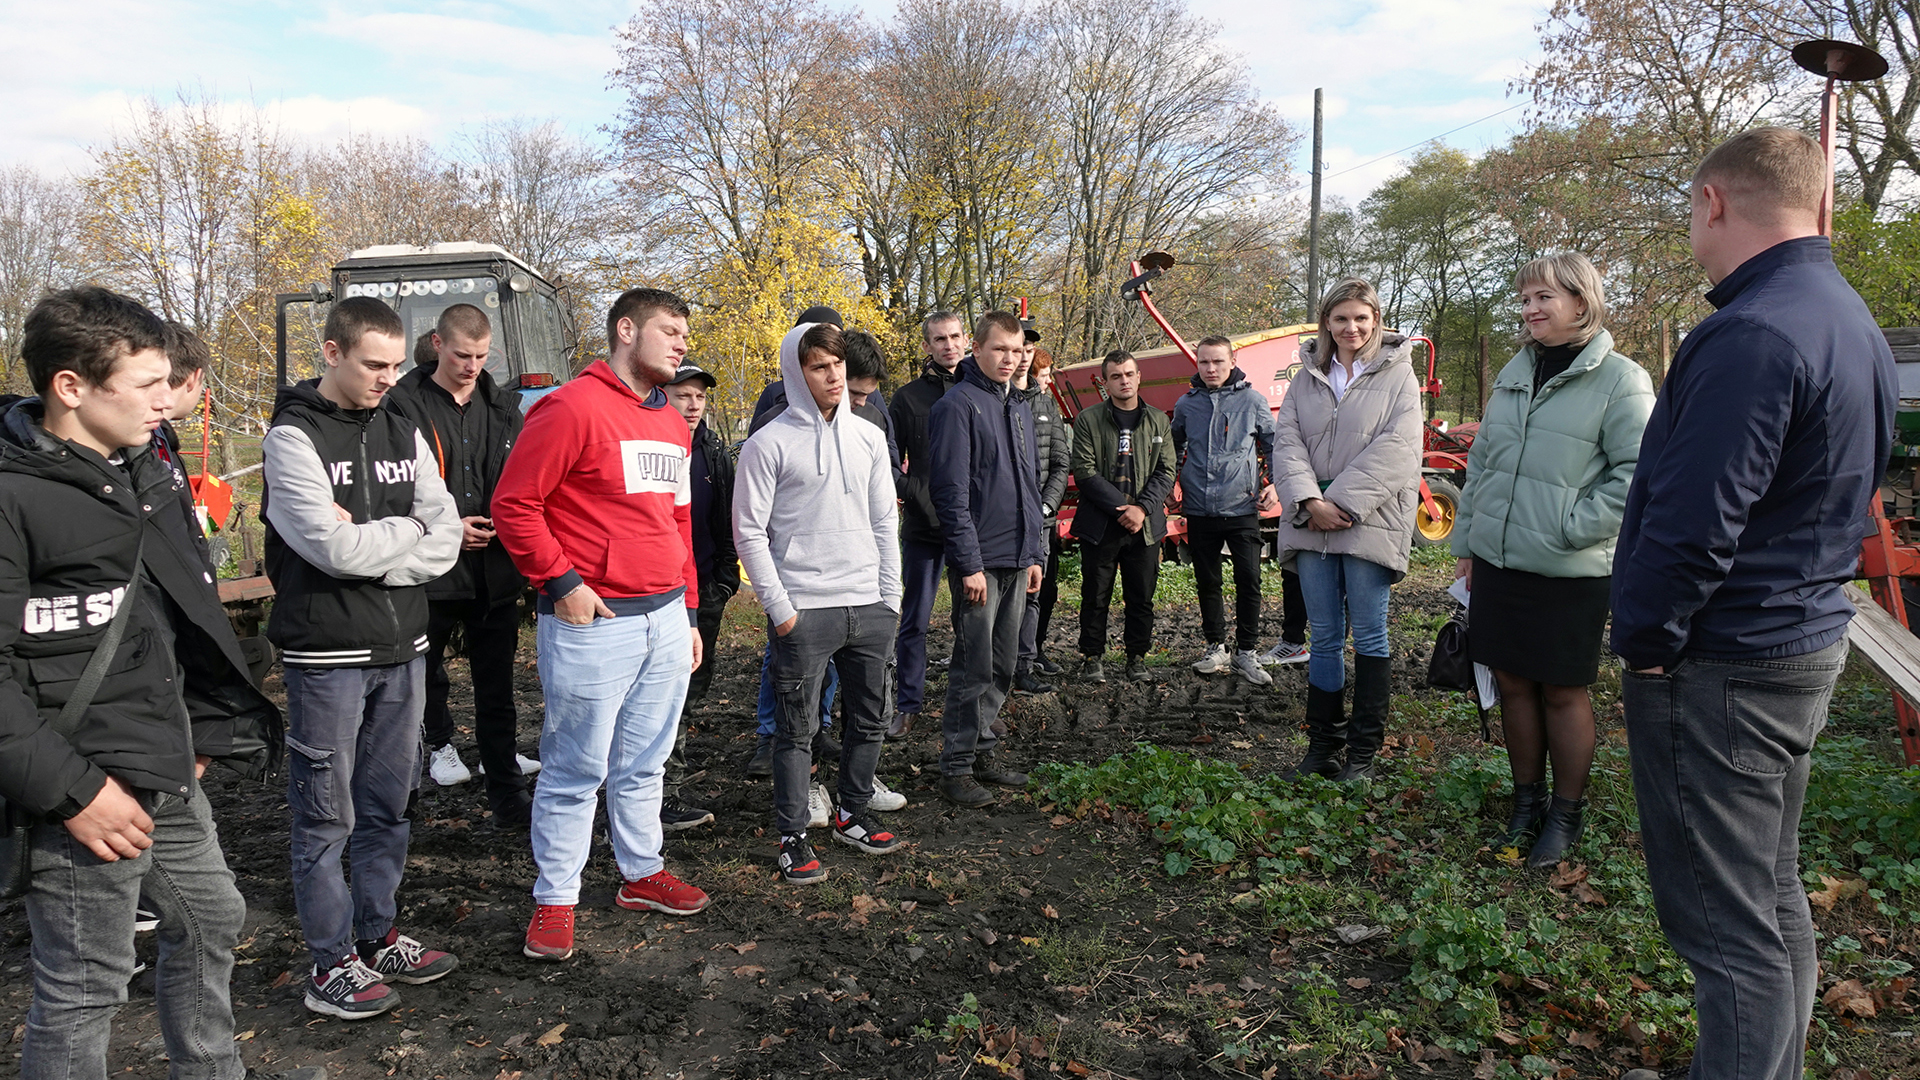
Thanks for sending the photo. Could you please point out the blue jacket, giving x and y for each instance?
(986, 485)
(1751, 496)
(1222, 437)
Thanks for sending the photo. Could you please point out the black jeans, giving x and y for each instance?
(859, 641)
(986, 646)
(1720, 761)
(1241, 537)
(1033, 627)
(1136, 558)
(492, 636)
(712, 609)
(1293, 609)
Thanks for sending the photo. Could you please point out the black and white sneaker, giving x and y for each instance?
(798, 864)
(145, 919)
(676, 815)
(861, 831)
(350, 990)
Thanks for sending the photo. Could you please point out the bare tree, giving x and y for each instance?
(392, 191)
(39, 250)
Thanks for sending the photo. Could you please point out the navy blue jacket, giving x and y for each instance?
(986, 487)
(1751, 497)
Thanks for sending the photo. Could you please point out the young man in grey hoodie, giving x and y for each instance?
(817, 532)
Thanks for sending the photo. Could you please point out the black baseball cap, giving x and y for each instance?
(820, 313)
(693, 371)
(1033, 336)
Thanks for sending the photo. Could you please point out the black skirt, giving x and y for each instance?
(1541, 628)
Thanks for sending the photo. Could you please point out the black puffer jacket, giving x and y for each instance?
(911, 406)
(70, 522)
(1053, 441)
(721, 579)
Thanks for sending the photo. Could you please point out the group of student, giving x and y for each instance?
(1715, 522)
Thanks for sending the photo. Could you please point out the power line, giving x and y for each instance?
(1415, 146)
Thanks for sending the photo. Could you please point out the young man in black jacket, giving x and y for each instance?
(711, 479)
(358, 521)
(922, 543)
(117, 797)
(471, 422)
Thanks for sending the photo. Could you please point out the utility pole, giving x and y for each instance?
(1313, 221)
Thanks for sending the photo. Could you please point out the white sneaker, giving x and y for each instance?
(528, 766)
(446, 768)
(819, 807)
(1246, 664)
(1284, 652)
(1216, 660)
(885, 798)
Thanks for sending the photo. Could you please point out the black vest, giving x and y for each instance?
(319, 620)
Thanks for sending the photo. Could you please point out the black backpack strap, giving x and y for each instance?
(96, 668)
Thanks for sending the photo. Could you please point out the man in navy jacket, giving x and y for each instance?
(986, 491)
(1744, 519)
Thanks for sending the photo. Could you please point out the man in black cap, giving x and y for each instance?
(711, 479)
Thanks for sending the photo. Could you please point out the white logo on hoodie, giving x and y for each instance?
(656, 468)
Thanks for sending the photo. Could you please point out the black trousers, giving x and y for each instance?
(1136, 559)
(1240, 536)
(1033, 627)
(492, 634)
(1293, 609)
(707, 621)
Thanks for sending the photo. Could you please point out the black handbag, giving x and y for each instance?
(1451, 668)
(16, 823)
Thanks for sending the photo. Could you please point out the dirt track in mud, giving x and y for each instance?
(1009, 904)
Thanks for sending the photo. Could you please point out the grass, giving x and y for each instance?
(1495, 956)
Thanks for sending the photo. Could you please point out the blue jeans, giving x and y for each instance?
(1720, 760)
(80, 911)
(920, 566)
(768, 708)
(613, 690)
(1336, 588)
(353, 759)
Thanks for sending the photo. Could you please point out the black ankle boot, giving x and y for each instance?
(1372, 691)
(1326, 734)
(1566, 819)
(1529, 806)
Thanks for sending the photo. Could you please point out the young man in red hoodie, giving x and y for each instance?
(594, 507)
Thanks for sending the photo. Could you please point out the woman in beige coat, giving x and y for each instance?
(1346, 462)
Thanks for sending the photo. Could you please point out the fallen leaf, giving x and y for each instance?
(1059, 820)
(746, 970)
(907, 906)
(462, 910)
(1837, 889)
(1893, 994)
(1587, 894)
(1360, 984)
(282, 979)
(1049, 911)
(1638, 983)
(1193, 961)
(771, 1040)
(1489, 1066)
(552, 1037)
(1355, 933)
(744, 947)
(866, 1027)
(1240, 744)
(820, 916)
(1508, 1037)
(515, 1040)
(1078, 1069)
(505, 1075)
(1566, 875)
(1850, 998)
(1585, 1040)
(245, 1036)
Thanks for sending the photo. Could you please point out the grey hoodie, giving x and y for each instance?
(814, 516)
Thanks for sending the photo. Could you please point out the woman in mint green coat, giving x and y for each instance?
(1546, 484)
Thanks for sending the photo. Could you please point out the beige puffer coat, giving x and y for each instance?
(1362, 453)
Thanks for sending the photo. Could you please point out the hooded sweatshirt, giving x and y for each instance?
(814, 518)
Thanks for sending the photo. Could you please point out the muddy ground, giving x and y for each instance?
(1077, 947)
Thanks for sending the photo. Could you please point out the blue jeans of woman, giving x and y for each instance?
(1338, 588)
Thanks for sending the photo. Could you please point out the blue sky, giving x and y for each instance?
(1396, 72)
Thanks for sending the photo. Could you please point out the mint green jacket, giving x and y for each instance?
(1547, 476)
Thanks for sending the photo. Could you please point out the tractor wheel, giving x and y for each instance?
(1428, 530)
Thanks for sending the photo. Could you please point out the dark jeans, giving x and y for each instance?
(857, 641)
(80, 913)
(1136, 557)
(492, 636)
(708, 621)
(353, 754)
(1293, 609)
(920, 566)
(1720, 758)
(986, 645)
(1241, 537)
(1033, 627)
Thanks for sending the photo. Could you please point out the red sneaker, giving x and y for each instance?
(661, 892)
(550, 934)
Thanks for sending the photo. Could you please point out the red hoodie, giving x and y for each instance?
(598, 491)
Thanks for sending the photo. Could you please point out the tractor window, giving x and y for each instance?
(546, 335)
(420, 303)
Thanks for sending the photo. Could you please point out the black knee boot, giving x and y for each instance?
(1372, 691)
(1566, 819)
(1529, 806)
(1326, 734)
